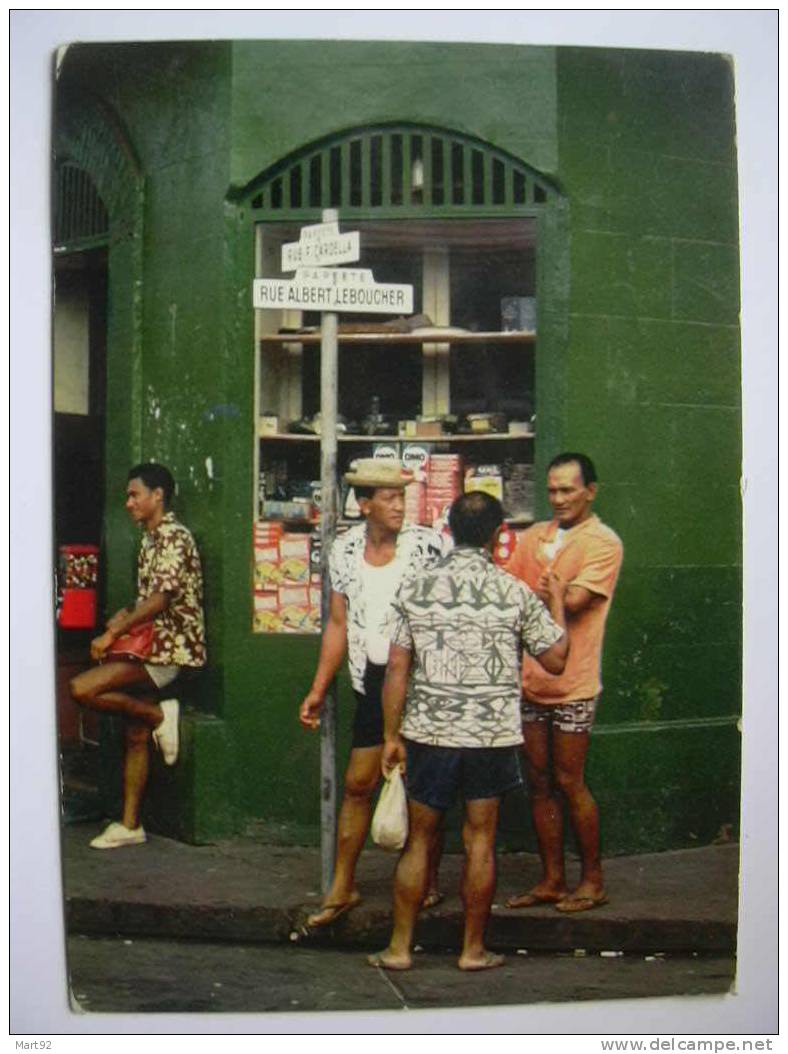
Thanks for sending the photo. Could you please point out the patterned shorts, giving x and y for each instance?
(577, 716)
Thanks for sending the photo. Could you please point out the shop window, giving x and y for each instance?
(449, 389)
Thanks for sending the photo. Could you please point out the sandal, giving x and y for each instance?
(572, 905)
(330, 913)
(533, 900)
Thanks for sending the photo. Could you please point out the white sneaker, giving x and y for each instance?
(165, 737)
(115, 836)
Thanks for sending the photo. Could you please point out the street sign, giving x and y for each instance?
(318, 295)
(335, 275)
(327, 246)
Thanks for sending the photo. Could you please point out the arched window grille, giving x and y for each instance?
(400, 171)
(81, 218)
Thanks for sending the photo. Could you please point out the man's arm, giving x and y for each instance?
(332, 652)
(395, 687)
(554, 659)
(123, 620)
(596, 580)
(576, 598)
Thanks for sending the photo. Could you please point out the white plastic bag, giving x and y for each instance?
(390, 822)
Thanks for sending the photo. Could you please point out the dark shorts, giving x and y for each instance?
(436, 775)
(368, 720)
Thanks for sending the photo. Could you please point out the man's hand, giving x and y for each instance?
(393, 755)
(309, 712)
(100, 645)
(550, 587)
(117, 622)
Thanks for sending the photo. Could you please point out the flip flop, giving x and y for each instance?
(333, 912)
(533, 900)
(572, 905)
(489, 962)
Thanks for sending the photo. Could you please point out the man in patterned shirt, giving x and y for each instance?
(366, 566)
(458, 635)
(169, 595)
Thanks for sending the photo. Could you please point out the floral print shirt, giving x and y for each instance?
(168, 562)
(417, 548)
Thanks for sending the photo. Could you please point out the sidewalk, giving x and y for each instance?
(244, 891)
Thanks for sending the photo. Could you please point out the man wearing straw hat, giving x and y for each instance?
(366, 565)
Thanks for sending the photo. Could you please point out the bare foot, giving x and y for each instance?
(485, 961)
(432, 899)
(538, 895)
(387, 960)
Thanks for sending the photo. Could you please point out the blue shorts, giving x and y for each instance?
(436, 775)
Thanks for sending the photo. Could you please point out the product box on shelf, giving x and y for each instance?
(519, 494)
(416, 501)
(267, 569)
(266, 531)
(294, 557)
(444, 484)
(266, 611)
(294, 609)
(315, 549)
(269, 425)
(487, 478)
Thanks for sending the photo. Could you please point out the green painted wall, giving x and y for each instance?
(638, 363)
(289, 93)
(647, 161)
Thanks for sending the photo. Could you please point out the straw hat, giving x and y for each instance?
(378, 472)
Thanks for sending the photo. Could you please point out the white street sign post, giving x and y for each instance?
(323, 249)
(319, 286)
(342, 296)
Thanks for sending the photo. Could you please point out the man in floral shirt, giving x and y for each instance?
(169, 599)
(367, 564)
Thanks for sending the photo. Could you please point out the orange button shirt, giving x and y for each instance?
(590, 556)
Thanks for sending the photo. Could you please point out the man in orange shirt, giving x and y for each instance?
(558, 710)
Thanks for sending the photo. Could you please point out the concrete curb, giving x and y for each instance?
(245, 892)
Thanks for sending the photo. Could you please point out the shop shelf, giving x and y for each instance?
(421, 336)
(499, 437)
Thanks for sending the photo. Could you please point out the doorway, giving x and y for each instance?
(79, 339)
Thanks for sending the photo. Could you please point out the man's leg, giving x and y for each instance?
(99, 688)
(135, 772)
(569, 755)
(361, 780)
(478, 881)
(410, 885)
(433, 895)
(547, 816)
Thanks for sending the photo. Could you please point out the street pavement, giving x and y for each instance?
(140, 975)
(245, 891)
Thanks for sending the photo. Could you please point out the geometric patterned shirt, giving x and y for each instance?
(168, 562)
(467, 623)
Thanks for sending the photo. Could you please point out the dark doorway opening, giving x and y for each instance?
(79, 342)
